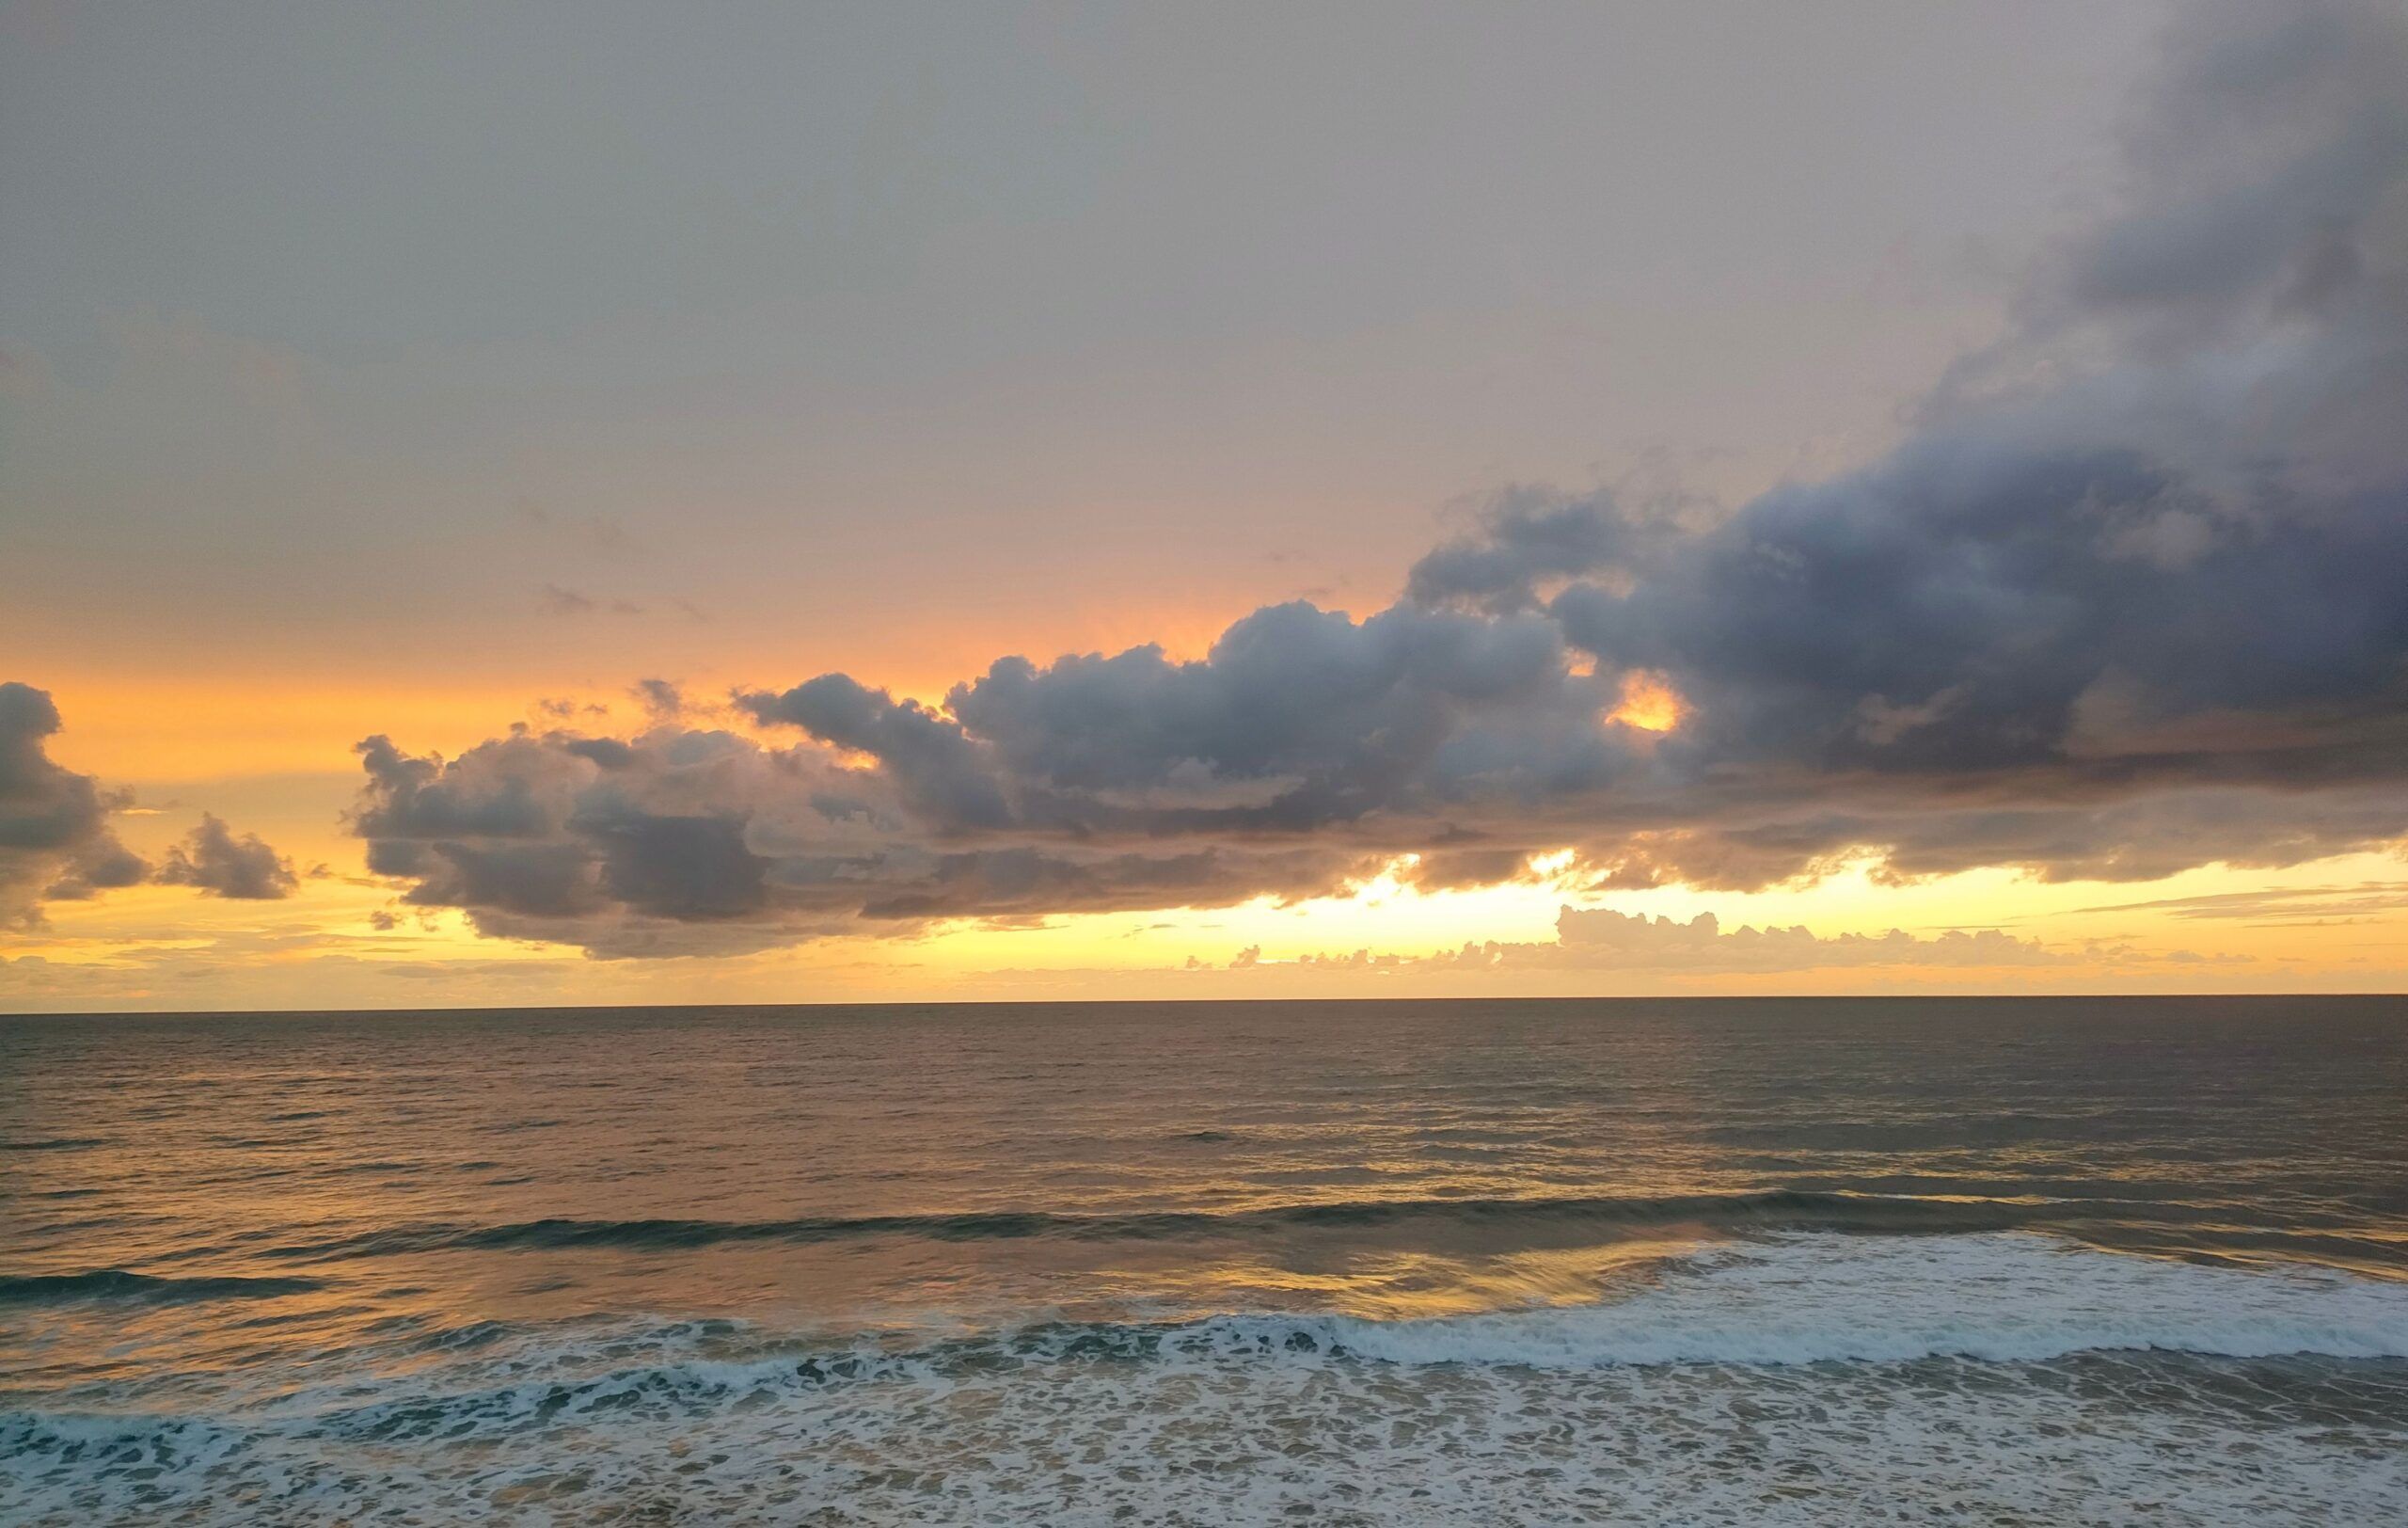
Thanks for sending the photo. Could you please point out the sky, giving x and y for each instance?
(577, 503)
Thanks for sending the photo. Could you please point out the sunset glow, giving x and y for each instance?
(898, 554)
(1203, 765)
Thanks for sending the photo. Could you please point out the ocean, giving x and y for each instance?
(1845, 1260)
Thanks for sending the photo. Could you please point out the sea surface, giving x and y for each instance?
(2062, 1261)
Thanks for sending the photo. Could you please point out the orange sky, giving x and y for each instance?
(276, 760)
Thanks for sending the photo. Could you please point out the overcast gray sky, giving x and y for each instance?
(888, 337)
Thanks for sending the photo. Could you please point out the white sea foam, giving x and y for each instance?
(2003, 1298)
(1808, 1378)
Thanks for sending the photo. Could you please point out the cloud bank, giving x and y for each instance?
(2128, 599)
(1600, 939)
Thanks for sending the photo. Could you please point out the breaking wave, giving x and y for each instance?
(1791, 1343)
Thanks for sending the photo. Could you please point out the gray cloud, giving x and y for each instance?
(681, 841)
(931, 762)
(212, 859)
(664, 700)
(56, 842)
(2126, 600)
(1297, 718)
(1525, 540)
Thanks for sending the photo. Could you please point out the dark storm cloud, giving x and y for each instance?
(2128, 599)
(1961, 608)
(2162, 528)
(212, 859)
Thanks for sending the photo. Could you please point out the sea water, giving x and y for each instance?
(1835, 1261)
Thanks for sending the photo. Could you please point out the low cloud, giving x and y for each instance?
(1603, 939)
(1600, 940)
(2299, 904)
(213, 860)
(682, 841)
(56, 841)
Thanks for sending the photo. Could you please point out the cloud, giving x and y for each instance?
(1599, 950)
(684, 841)
(56, 842)
(1602, 940)
(2126, 600)
(2301, 904)
(927, 758)
(214, 860)
(1525, 540)
(663, 700)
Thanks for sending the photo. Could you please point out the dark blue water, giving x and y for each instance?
(1748, 1261)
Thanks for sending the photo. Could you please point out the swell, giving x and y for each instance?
(141, 1288)
(1773, 1210)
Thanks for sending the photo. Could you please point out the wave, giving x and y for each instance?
(141, 1288)
(1773, 1210)
(1790, 1301)
(2130, 1222)
(1798, 1298)
(1826, 1299)
(1828, 1345)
